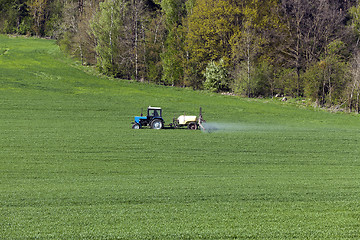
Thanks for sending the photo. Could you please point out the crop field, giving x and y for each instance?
(71, 167)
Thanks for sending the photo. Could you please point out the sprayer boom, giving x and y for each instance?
(201, 120)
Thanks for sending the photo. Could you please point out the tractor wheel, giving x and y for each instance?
(156, 124)
(136, 126)
(192, 126)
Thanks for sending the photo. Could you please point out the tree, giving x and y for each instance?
(248, 42)
(107, 28)
(120, 32)
(309, 27)
(14, 17)
(216, 76)
(84, 40)
(53, 20)
(325, 79)
(74, 33)
(245, 46)
(38, 11)
(154, 43)
(173, 56)
(355, 21)
(210, 28)
(265, 80)
(353, 87)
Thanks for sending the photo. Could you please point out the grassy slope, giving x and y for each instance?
(72, 168)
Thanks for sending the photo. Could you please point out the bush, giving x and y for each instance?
(216, 77)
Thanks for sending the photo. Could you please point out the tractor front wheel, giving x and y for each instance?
(192, 126)
(136, 126)
(156, 124)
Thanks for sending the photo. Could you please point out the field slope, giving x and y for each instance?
(71, 167)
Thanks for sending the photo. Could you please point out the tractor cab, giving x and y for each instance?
(153, 119)
(154, 112)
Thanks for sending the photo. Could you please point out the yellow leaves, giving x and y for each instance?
(227, 29)
(210, 28)
(37, 3)
(322, 64)
(259, 13)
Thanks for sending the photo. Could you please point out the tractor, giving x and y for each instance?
(153, 119)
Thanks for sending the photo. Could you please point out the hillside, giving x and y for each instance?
(71, 167)
(253, 48)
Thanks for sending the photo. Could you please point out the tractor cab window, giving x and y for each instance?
(154, 113)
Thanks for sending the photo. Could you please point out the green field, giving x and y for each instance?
(71, 167)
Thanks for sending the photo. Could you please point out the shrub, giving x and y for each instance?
(216, 76)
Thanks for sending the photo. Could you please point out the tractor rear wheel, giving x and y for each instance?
(192, 126)
(136, 126)
(156, 124)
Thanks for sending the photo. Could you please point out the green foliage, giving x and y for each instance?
(37, 9)
(65, 43)
(251, 77)
(313, 80)
(260, 82)
(264, 75)
(175, 11)
(54, 19)
(106, 27)
(241, 84)
(287, 82)
(25, 27)
(173, 57)
(210, 29)
(154, 45)
(353, 87)
(172, 63)
(171, 42)
(122, 45)
(14, 17)
(325, 80)
(355, 21)
(72, 168)
(216, 76)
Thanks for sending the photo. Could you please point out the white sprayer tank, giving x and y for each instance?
(183, 119)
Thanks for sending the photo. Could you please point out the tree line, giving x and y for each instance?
(298, 48)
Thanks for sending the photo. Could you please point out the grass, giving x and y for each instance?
(71, 167)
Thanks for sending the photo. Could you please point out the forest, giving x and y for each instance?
(297, 48)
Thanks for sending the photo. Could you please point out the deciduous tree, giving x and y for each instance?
(353, 87)
(14, 17)
(38, 11)
(173, 56)
(108, 28)
(120, 32)
(309, 27)
(325, 79)
(248, 42)
(210, 29)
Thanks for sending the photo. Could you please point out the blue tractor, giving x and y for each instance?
(153, 119)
